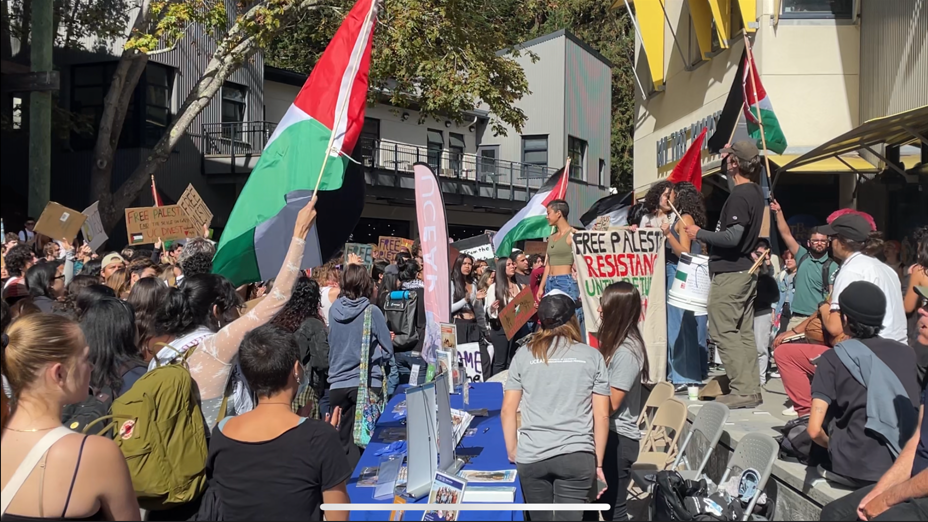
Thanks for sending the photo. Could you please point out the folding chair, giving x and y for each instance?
(756, 451)
(659, 394)
(659, 446)
(698, 446)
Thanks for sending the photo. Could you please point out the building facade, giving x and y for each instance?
(828, 67)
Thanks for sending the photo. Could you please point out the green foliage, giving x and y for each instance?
(440, 55)
(611, 33)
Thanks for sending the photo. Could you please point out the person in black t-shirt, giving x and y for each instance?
(269, 463)
(887, 368)
(733, 289)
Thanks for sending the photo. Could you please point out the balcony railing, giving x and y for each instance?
(236, 138)
(400, 158)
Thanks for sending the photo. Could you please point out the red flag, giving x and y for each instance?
(690, 166)
(154, 194)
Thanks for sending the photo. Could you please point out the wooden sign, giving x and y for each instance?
(388, 247)
(191, 202)
(364, 251)
(59, 222)
(517, 312)
(145, 225)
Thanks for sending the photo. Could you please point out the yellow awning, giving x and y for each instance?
(830, 164)
(702, 23)
(721, 11)
(893, 130)
(649, 15)
(748, 14)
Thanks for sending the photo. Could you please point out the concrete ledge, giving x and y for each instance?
(798, 490)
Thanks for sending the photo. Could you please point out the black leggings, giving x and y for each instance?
(621, 453)
(347, 399)
(504, 349)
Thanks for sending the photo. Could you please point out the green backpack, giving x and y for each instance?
(161, 432)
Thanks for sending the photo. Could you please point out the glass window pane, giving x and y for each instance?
(231, 92)
(158, 96)
(818, 8)
(157, 116)
(536, 157)
(85, 96)
(232, 111)
(456, 140)
(157, 75)
(535, 143)
(436, 138)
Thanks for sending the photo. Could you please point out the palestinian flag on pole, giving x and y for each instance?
(309, 148)
(532, 222)
(755, 98)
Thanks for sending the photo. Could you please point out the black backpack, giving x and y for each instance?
(76, 417)
(402, 318)
(796, 445)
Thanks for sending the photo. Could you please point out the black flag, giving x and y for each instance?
(734, 105)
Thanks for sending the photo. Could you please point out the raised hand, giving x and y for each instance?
(304, 220)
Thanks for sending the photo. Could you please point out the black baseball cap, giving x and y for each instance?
(743, 150)
(848, 226)
(555, 310)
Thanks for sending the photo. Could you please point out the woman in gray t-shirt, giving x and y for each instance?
(622, 347)
(563, 388)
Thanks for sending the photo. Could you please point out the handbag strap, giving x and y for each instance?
(28, 464)
(365, 358)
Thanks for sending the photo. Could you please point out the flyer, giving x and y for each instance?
(488, 477)
(445, 490)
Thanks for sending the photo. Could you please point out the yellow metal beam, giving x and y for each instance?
(702, 25)
(650, 16)
(721, 12)
(749, 14)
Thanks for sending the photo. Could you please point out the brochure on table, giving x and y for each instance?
(445, 490)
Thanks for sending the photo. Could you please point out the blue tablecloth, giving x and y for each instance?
(488, 445)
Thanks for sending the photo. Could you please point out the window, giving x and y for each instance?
(368, 141)
(456, 146)
(817, 9)
(17, 118)
(534, 152)
(157, 102)
(149, 112)
(576, 151)
(487, 165)
(436, 144)
(602, 173)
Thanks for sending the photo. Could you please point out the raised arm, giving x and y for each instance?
(783, 227)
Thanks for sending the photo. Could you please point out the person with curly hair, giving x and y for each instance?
(657, 205)
(687, 348)
(302, 317)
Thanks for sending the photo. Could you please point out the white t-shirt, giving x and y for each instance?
(860, 267)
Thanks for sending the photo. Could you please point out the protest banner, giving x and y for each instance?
(362, 250)
(145, 225)
(195, 208)
(517, 312)
(619, 254)
(478, 247)
(389, 246)
(469, 356)
(59, 222)
(92, 229)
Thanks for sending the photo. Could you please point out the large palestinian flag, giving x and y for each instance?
(531, 222)
(314, 138)
(757, 102)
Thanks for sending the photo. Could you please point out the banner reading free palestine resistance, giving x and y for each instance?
(619, 254)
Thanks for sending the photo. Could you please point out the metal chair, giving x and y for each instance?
(659, 446)
(756, 451)
(661, 392)
(697, 448)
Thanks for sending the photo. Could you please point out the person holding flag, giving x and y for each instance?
(734, 283)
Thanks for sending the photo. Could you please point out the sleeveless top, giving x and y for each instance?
(559, 252)
(325, 303)
(670, 256)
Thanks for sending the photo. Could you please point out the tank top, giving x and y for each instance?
(325, 303)
(559, 253)
(669, 255)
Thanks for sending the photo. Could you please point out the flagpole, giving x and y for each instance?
(358, 50)
(760, 122)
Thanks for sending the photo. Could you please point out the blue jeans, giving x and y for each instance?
(687, 353)
(566, 284)
(402, 367)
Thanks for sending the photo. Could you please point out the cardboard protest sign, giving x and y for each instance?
(92, 229)
(618, 254)
(194, 207)
(469, 356)
(364, 251)
(535, 247)
(388, 247)
(478, 247)
(517, 312)
(146, 225)
(59, 222)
